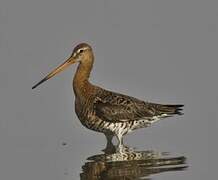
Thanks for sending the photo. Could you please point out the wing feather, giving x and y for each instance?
(117, 107)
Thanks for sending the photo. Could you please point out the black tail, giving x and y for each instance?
(170, 109)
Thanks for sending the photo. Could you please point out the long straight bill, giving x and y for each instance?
(60, 68)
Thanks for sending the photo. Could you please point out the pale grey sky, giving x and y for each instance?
(161, 50)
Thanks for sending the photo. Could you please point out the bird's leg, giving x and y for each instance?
(121, 148)
(109, 138)
(109, 147)
(120, 145)
(120, 139)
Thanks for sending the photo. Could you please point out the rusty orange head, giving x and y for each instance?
(81, 53)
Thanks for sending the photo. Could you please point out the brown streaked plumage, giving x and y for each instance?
(105, 111)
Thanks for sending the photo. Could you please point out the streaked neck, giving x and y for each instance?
(81, 84)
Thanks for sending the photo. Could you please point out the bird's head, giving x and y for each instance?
(82, 53)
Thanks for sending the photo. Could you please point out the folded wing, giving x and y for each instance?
(111, 106)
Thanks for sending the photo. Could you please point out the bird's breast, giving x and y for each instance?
(84, 109)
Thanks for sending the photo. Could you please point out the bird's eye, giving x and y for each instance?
(81, 50)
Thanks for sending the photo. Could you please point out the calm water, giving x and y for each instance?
(92, 162)
(130, 164)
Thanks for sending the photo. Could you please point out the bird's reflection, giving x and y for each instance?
(129, 164)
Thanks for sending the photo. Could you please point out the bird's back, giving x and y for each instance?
(112, 106)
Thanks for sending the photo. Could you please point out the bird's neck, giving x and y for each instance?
(81, 84)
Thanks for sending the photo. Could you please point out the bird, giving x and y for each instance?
(105, 111)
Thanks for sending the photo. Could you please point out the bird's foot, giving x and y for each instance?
(121, 148)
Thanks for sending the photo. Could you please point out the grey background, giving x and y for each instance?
(156, 50)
